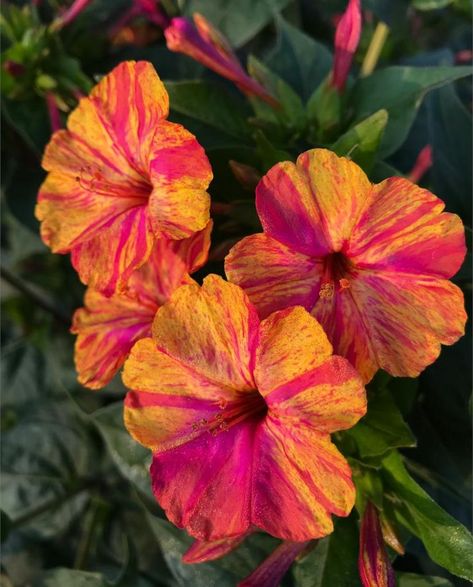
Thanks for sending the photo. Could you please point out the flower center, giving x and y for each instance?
(250, 405)
(337, 273)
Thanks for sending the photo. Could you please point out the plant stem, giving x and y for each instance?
(31, 293)
(87, 536)
(374, 50)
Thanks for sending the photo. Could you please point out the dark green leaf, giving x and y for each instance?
(268, 153)
(333, 562)
(131, 458)
(361, 142)
(400, 91)
(71, 578)
(411, 580)
(383, 427)
(300, 60)
(211, 105)
(448, 542)
(430, 4)
(238, 20)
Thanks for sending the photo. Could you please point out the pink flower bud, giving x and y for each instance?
(71, 13)
(422, 165)
(53, 111)
(14, 68)
(373, 561)
(272, 570)
(347, 37)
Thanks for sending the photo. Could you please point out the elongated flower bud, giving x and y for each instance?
(373, 561)
(347, 37)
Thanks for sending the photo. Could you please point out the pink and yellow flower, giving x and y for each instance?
(370, 262)
(120, 178)
(206, 45)
(238, 414)
(107, 328)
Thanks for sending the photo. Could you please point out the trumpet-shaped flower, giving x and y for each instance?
(206, 45)
(238, 414)
(107, 328)
(370, 262)
(120, 178)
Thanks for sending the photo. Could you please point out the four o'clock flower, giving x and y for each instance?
(205, 44)
(373, 562)
(107, 328)
(238, 414)
(120, 178)
(370, 262)
(347, 37)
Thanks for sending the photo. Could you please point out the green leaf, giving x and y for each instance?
(383, 427)
(5, 526)
(412, 580)
(447, 542)
(238, 20)
(399, 90)
(212, 105)
(131, 459)
(450, 134)
(268, 153)
(300, 60)
(333, 562)
(71, 578)
(362, 141)
(430, 4)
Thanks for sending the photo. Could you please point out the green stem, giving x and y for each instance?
(374, 50)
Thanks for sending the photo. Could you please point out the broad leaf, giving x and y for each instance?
(412, 580)
(383, 427)
(430, 4)
(71, 578)
(362, 141)
(131, 458)
(333, 562)
(400, 91)
(448, 542)
(212, 105)
(300, 60)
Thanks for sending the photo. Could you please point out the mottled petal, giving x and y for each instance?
(211, 329)
(300, 478)
(407, 318)
(205, 484)
(202, 551)
(404, 229)
(273, 275)
(341, 191)
(328, 398)
(288, 210)
(170, 404)
(107, 328)
(180, 174)
(291, 343)
(107, 260)
(194, 251)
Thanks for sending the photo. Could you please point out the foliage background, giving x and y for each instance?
(76, 502)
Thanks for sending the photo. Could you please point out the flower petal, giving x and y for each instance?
(201, 551)
(169, 400)
(291, 343)
(328, 398)
(407, 318)
(300, 479)
(273, 275)
(180, 173)
(340, 189)
(107, 260)
(403, 229)
(288, 211)
(211, 329)
(204, 486)
(107, 328)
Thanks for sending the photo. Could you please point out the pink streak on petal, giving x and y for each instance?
(347, 37)
(201, 551)
(271, 571)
